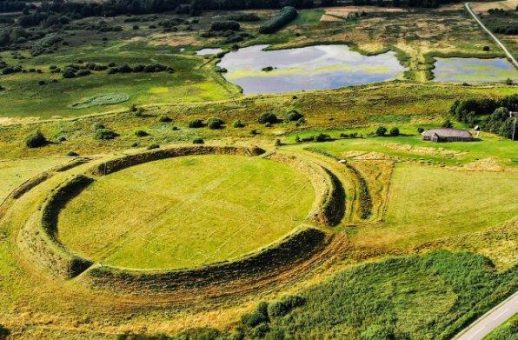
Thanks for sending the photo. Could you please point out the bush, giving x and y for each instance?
(284, 306)
(72, 154)
(268, 117)
(286, 15)
(97, 126)
(198, 141)
(153, 146)
(196, 124)
(420, 130)
(447, 124)
(36, 140)
(69, 73)
(381, 131)
(294, 116)
(225, 26)
(105, 134)
(165, 119)
(394, 132)
(4, 332)
(238, 124)
(215, 123)
(253, 319)
(322, 137)
(141, 133)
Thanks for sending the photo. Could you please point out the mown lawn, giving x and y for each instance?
(186, 212)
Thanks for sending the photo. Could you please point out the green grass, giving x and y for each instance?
(309, 17)
(186, 212)
(428, 297)
(190, 83)
(427, 202)
(506, 331)
(410, 146)
(14, 173)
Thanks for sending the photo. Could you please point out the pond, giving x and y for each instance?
(473, 70)
(209, 51)
(257, 70)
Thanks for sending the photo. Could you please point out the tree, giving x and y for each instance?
(394, 132)
(381, 131)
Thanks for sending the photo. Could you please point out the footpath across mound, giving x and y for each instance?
(39, 238)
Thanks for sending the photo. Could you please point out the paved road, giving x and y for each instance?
(491, 320)
(499, 43)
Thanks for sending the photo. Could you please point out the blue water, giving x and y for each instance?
(307, 68)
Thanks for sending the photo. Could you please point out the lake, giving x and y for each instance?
(209, 51)
(473, 70)
(307, 68)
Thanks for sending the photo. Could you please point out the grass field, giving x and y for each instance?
(186, 212)
(16, 172)
(427, 202)
(437, 250)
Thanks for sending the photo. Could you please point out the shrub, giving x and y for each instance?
(267, 117)
(284, 306)
(97, 126)
(238, 124)
(72, 154)
(322, 137)
(196, 124)
(381, 131)
(294, 116)
(268, 69)
(36, 140)
(4, 332)
(69, 73)
(141, 133)
(253, 319)
(198, 141)
(420, 130)
(153, 146)
(225, 26)
(215, 123)
(105, 134)
(394, 131)
(165, 119)
(447, 124)
(286, 15)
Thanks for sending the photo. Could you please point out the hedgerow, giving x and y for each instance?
(285, 16)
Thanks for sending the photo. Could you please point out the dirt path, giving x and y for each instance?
(498, 42)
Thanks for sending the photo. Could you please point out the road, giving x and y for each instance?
(499, 43)
(491, 320)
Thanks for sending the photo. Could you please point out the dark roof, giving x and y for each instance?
(447, 133)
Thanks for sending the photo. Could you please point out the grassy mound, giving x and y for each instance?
(185, 212)
(105, 99)
(296, 247)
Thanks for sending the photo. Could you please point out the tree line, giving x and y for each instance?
(489, 114)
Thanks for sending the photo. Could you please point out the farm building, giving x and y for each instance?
(447, 135)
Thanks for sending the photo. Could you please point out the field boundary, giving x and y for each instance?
(294, 248)
(38, 236)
